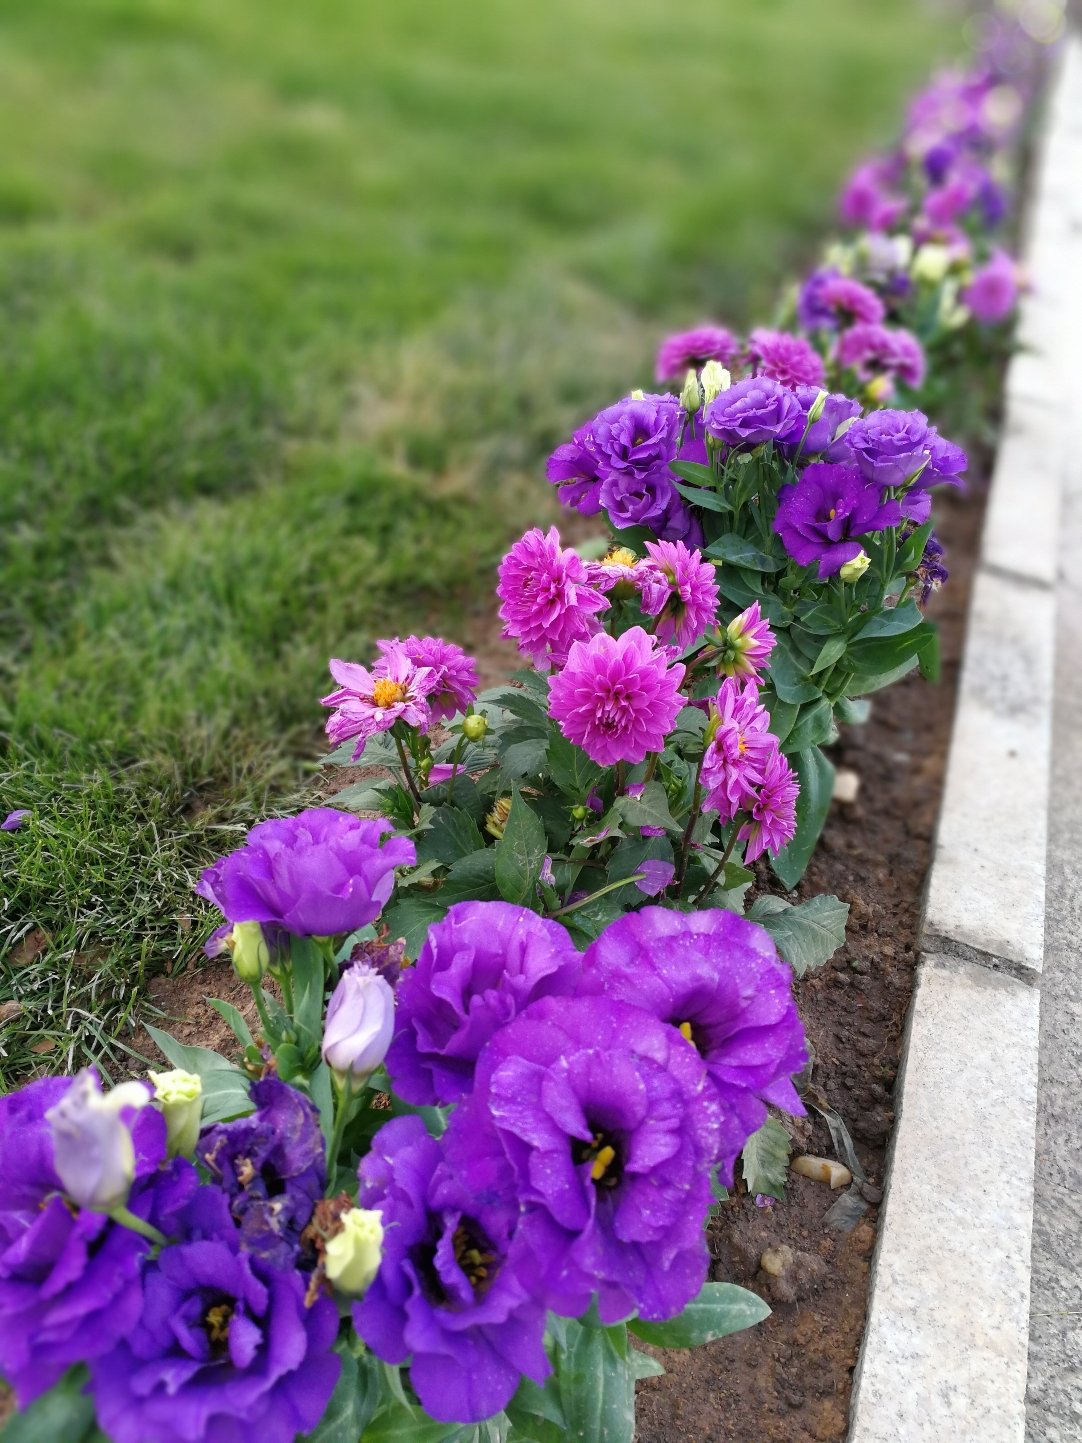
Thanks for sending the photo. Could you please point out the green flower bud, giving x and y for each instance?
(251, 955)
(474, 727)
(691, 397)
(352, 1257)
(853, 570)
(579, 813)
(817, 407)
(715, 379)
(180, 1095)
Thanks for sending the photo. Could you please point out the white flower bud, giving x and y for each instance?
(360, 1023)
(180, 1094)
(251, 955)
(691, 397)
(853, 570)
(352, 1257)
(715, 379)
(931, 263)
(92, 1144)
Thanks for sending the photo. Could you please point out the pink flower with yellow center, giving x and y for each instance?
(772, 821)
(367, 702)
(678, 587)
(739, 749)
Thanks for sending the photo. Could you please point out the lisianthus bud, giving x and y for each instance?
(853, 570)
(360, 1022)
(879, 389)
(352, 1256)
(817, 407)
(497, 818)
(251, 955)
(180, 1094)
(92, 1145)
(638, 394)
(474, 727)
(691, 397)
(931, 263)
(715, 379)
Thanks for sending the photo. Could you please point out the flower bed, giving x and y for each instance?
(529, 1016)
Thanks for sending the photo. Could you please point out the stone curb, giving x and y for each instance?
(944, 1356)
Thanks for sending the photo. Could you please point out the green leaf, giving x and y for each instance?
(411, 917)
(649, 809)
(354, 1400)
(571, 769)
(893, 622)
(821, 620)
(783, 714)
(240, 1029)
(520, 853)
(928, 656)
(765, 1160)
(738, 551)
(813, 727)
(735, 586)
(472, 878)
(309, 979)
(225, 1087)
(706, 499)
(321, 1091)
(368, 796)
(852, 711)
(453, 834)
(816, 777)
(629, 854)
(807, 934)
(829, 652)
(911, 551)
(720, 1309)
(525, 758)
(643, 1366)
(694, 472)
(596, 1385)
(62, 1415)
(789, 677)
(399, 1424)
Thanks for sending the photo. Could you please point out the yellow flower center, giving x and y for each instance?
(618, 556)
(685, 1031)
(833, 513)
(387, 693)
(602, 1162)
(217, 1322)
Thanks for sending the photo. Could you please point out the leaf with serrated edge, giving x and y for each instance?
(765, 1159)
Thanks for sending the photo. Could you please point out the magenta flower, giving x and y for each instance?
(617, 697)
(823, 516)
(749, 642)
(790, 360)
(548, 603)
(873, 351)
(738, 752)
(849, 301)
(456, 679)
(772, 823)
(992, 293)
(367, 702)
(679, 353)
(869, 199)
(678, 587)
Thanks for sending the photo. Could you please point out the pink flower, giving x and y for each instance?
(617, 697)
(749, 642)
(790, 360)
(739, 750)
(694, 348)
(993, 291)
(851, 301)
(872, 352)
(456, 673)
(548, 602)
(678, 587)
(368, 702)
(773, 812)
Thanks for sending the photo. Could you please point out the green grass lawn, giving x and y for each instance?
(294, 298)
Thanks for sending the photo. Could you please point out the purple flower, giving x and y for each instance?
(790, 360)
(872, 352)
(931, 572)
(822, 517)
(455, 679)
(14, 820)
(822, 435)
(772, 823)
(656, 874)
(270, 1165)
(93, 1148)
(448, 1298)
(648, 500)
(753, 411)
(634, 439)
(868, 200)
(993, 292)
(225, 1348)
(749, 641)
(693, 349)
(318, 874)
(604, 1122)
(547, 601)
(717, 978)
(368, 702)
(617, 697)
(573, 468)
(479, 967)
(890, 447)
(679, 588)
(829, 300)
(69, 1280)
(738, 751)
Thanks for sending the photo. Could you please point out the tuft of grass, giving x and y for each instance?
(293, 302)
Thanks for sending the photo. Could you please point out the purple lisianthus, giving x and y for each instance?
(368, 702)
(874, 353)
(641, 500)
(679, 588)
(225, 1347)
(900, 449)
(318, 874)
(449, 1298)
(479, 967)
(738, 751)
(270, 1164)
(790, 360)
(993, 292)
(717, 978)
(822, 437)
(69, 1279)
(694, 348)
(604, 1122)
(822, 517)
(547, 600)
(635, 437)
(617, 697)
(771, 825)
(573, 469)
(753, 411)
(455, 679)
(829, 300)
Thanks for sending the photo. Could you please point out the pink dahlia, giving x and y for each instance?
(617, 697)
(548, 602)
(695, 348)
(367, 702)
(456, 681)
(881, 354)
(772, 823)
(619, 564)
(678, 587)
(749, 642)
(790, 360)
(739, 750)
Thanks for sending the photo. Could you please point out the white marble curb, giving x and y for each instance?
(944, 1356)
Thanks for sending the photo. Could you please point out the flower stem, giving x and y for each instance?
(651, 768)
(343, 1094)
(127, 1219)
(612, 886)
(261, 1008)
(716, 873)
(407, 774)
(456, 758)
(693, 816)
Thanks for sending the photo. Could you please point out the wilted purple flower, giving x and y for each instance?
(271, 1166)
(318, 874)
(790, 360)
(617, 697)
(478, 967)
(694, 348)
(679, 588)
(360, 1022)
(547, 600)
(772, 822)
(448, 1298)
(739, 747)
(931, 572)
(605, 1124)
(717, 978)
(993, 292)
(69, 1279)
(225, 1346)
(573, 468)
(829, 300)
(753, 411)
(822, 517)
(872, 352)
(455, 679)
(368, 702)
(14, 820)
(657, 874)
(93, 1151)
(748, 644)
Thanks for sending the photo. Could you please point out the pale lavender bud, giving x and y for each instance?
(360, 1022)
(92, 1143)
